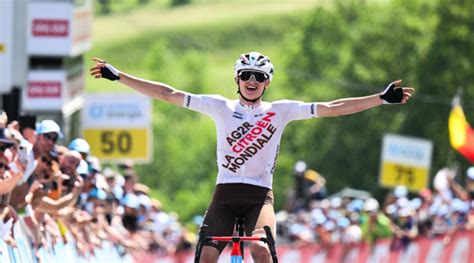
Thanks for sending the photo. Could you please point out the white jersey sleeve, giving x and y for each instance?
(296, 110)
(207, 104)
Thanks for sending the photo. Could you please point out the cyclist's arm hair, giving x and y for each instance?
(348, 105)
(157, 90)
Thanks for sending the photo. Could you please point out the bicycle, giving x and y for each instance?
(237, 253)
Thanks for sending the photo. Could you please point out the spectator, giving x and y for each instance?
(374, 225)
(404, 228)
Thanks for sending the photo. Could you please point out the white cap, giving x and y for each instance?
(400, 191)
(470, 173)
(48, 126)
(371, 205)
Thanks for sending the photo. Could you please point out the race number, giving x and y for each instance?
(118, 143)
(413, 177)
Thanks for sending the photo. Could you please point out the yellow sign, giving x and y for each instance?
(2, 48)
(117, 143)
(414, 178)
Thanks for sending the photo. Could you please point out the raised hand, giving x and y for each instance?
(396, 95)
(103, 69)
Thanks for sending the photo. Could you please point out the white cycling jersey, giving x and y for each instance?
(248, 138)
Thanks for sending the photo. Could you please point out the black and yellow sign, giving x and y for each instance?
(414, 178)
(132, 143)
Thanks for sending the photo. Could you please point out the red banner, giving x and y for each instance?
(421, 250)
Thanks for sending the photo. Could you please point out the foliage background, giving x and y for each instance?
(323, 50)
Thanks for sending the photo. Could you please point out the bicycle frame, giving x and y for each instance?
(237, 253)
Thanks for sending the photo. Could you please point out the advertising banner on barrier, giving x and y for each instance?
(60, 28)
(6, 44)
(419, 251)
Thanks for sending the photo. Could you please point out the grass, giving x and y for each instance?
(122, 27)
(218, 30)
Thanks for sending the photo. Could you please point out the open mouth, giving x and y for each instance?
(251, 88)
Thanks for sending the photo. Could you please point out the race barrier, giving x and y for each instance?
(59, 252)
(422, 250)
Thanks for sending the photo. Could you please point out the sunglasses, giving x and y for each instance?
(4, 166)
(51, 137)
(46, 161)
(259, 76)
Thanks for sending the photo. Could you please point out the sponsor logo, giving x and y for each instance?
(238, 115)
(188, 101)
(247, 140)
(50, 28)
(44, 89)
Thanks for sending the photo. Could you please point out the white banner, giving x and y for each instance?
(53, 90)
(129, 110)
(407, 150)
(59, 28)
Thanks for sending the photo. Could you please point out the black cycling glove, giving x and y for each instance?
(109, 72)
(392, 94)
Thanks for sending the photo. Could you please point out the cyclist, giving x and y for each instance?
(248, 136)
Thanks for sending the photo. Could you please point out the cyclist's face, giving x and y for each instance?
(251, 84)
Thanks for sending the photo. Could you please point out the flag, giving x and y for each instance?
(461, 135)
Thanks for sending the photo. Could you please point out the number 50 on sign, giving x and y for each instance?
(119, 143)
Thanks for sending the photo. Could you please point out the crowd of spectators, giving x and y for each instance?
(62, 194)
(311, 216)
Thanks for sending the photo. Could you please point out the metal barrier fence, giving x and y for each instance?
(421, 250)
(58, 252)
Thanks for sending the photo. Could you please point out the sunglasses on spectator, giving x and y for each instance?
(46, 161)
(51, 136)
(259, 76)
(4, 166)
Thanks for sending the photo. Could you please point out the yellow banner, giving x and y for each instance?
(118, 143)
(414, 178)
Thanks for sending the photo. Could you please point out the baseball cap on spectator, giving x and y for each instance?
(98, 194)
(329, 225)
(415, 203)
(83, 168)
(79, 145)
(371, 205)
(131, 200)
(109, 173)
(405, 211)
(139, 188)
(343, 222)
(457, 205)
(48, 126)
(355, 205)
(400, 191)
(318, 219)
(94, 163)
(336, 202)
(155, 203)
(470, 173)
(145, 201)
(126, 164)
(4, 138)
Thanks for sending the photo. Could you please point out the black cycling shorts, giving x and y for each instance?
(236, 200)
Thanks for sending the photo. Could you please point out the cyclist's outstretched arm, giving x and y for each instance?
(157, 90)
(391, 95)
